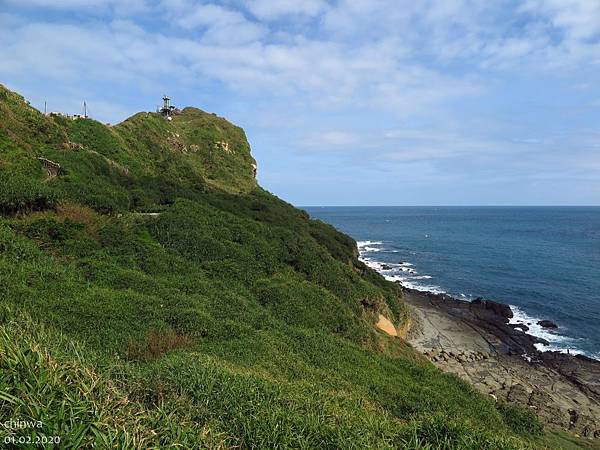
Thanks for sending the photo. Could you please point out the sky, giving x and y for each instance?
(345, 102)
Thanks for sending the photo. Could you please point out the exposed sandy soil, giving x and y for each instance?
(385, 325)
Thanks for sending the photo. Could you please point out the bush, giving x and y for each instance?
(19, 194)
(44, 229)
(16, 248)
(101, 198)
(304, 304)
(79, 214)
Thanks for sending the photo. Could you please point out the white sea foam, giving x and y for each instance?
(423, 287)
(402, 272)
(361, 244)
(374, 247)
(556, 342)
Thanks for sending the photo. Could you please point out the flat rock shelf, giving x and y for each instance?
(476, 343)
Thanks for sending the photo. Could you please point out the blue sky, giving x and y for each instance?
(346, 102)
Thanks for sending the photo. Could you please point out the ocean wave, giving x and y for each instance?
(402, 272)
(361, 244)
(556, 341)
(366, 248)
(374, 247)
(376, 265)
(422, 287)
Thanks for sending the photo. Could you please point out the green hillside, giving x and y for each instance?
(153, 295)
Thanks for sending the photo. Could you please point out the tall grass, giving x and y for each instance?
(45, 377)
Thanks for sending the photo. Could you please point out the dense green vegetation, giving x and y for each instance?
(226, 319)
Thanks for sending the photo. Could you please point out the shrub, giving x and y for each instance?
(16, 248)
(104, 200)
(19, 194)
(44, 229)
(304, 304)
(79, 214)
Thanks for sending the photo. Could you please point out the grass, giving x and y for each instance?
(193, 402)
(44, 377)
(228, 320)
(155, 344)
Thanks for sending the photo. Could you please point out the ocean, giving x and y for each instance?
(543, 261)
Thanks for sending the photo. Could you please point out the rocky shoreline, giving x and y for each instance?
(476, 341)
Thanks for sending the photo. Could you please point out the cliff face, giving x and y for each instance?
(144, 261)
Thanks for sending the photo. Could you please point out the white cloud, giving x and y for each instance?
(273, 10)
(208, 16)
(579, 19)
(219, 25)
(117, 51)
(388, 54)
(333, 139)
(90, 6)
(322, 73)
(505, 33)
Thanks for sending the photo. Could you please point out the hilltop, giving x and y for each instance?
(153, 295)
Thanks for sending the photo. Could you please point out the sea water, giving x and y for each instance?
(543, 261)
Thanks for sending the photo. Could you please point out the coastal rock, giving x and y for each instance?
(386, 267)
(499, 309)
(518, 394)
(563, 390)
(491, 317)
(580, 370)
(547, 324)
